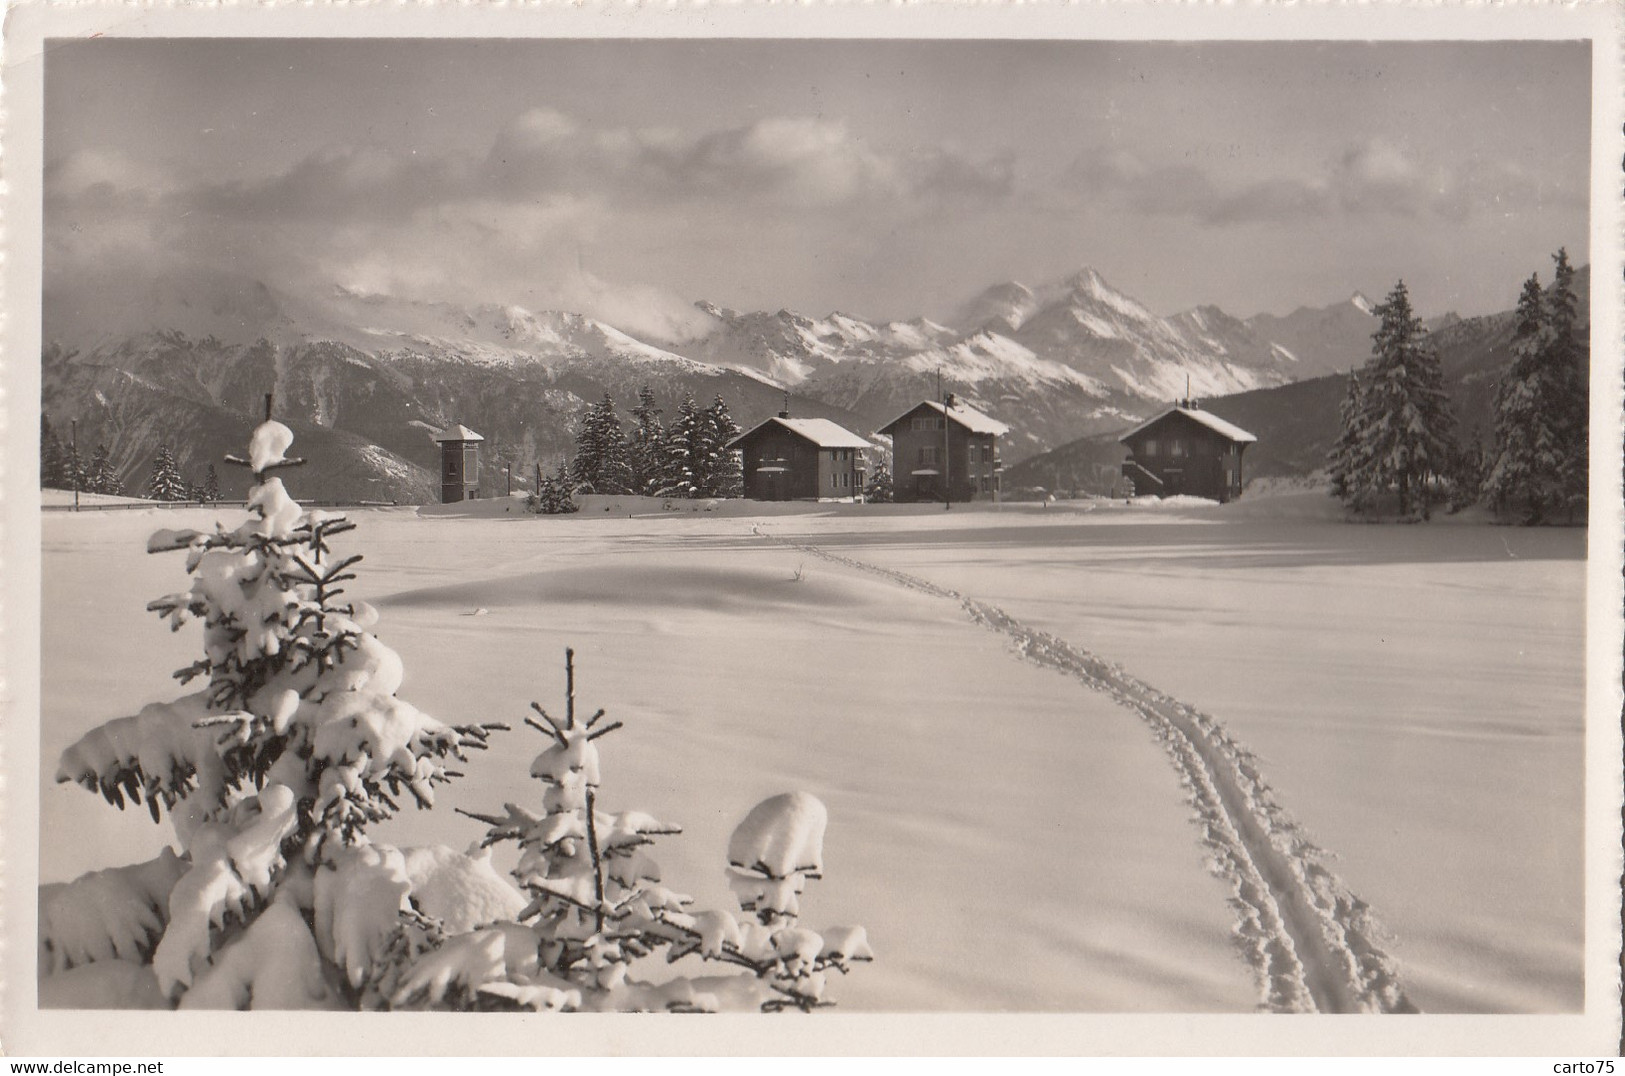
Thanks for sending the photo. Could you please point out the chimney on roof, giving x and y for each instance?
(786, 412)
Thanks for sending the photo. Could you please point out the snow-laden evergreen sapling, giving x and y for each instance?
(165, 483)
(53, 458)
(722, 474)
(880, 489)
(104, 476)
(1352, 478)
(599, 909)
(75, 473)
(600, 462)
(1397, 432)
(1540, 463)
(680, 451)
(1572, 360)
(553, 495)
(271, 774)
(644, 445)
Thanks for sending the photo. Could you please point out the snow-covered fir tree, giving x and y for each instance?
(553, 494)
(1466, 472)
(53, 458)
(680, 451)
(1527, 471)
(721, 473)
(599, 909)
(880, 488)
(211, 485)
(600, 463)
(75, 471)
(1351, 475)
(271, 775)
(1401, 429)
(165, 483)
(1540, 463)
(644, 445)
(1571, 355)
(104, 477)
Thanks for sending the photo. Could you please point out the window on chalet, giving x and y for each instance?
(928, 455)
(1150, 447)
(1177, 447)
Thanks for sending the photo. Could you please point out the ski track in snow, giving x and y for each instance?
(1311, 942)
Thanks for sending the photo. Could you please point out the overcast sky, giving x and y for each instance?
(627, 179)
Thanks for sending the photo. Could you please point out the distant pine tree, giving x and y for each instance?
(53, 457)
(552, 496)
(1405, 439)
(1541, 423)
(1527, 468)
(680, 468)
(75, 474)
(166, 483)
(600, 464)
(103, 476)
(720, 472)
(644, 445)
(1570, 364)
(879, 489)
(211, 485)
(1351, 473)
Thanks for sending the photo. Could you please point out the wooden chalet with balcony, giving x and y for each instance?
(1188, 451)
(945, 452)
(802, 459)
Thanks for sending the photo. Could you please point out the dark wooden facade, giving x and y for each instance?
(459, 464)
(1188, 451)
(801, 459)
(964, 456)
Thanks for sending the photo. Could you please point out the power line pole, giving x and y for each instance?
(73, 440)
(947, 468)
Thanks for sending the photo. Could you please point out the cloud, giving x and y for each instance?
(1370, 178)
(791, 162)
(654, 210)
(101, 175)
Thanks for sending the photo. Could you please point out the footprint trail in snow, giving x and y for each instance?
(1311, 942)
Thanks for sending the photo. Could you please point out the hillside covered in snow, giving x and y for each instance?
(365, 379)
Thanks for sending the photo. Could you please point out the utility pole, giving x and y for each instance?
(947, 473)
(73, 440)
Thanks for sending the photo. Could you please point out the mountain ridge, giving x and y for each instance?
(1057, 361)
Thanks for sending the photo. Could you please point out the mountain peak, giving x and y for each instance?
(1087, 279)
(1009, 304)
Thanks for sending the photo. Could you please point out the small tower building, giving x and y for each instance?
(459, 464)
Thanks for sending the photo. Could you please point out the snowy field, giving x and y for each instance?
(1013, 838)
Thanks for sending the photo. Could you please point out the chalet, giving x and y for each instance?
(459, 464)
(1186, 450)
(793, 459)
(952, 447)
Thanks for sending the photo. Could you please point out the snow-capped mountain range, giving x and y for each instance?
(374, 373)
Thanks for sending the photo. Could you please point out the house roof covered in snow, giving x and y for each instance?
(820, 431)
(458, 432)
(962, 413)
(1228, 430)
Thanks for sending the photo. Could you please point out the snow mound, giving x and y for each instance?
(106, 984)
